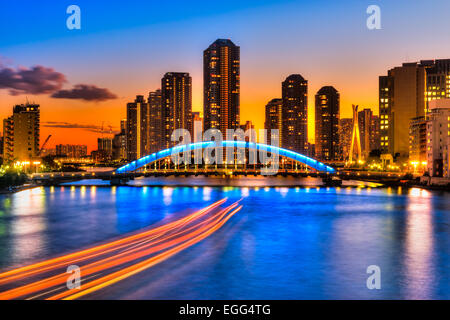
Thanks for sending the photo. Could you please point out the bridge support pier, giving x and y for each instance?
(119, 181)
(332, 182)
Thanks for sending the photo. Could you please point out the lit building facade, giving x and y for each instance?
(119, 143)
(176, 100)
(197, 127)
(71, 151)
(345, 137)
(104, 149)
(438, 138)
(327, 124)
(369, 131)
(137, 128)
(221, 81)
(437, 79)
(401, 98)
(274, 120)
(8, 139)
(295, 114)
(21, 133)
(155, 122)
(374, 139)
(418, 144)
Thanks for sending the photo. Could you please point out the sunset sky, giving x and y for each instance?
(124, 49)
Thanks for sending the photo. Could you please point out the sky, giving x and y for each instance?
(123, 50)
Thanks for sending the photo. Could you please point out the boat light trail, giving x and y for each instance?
(111, 262)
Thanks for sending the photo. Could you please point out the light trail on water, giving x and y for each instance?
(114, 261)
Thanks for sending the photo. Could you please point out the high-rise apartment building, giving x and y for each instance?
(327, 124)
(137, 128)
(176, 100)
(295, 113)
(221, 85)
(155, 123)
(274, 120)
(21, 133)
(401, 98)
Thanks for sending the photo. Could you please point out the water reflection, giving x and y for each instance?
(419, 265)
(167, 194)
(27, 229)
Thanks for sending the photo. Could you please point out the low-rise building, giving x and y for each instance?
(418, 144)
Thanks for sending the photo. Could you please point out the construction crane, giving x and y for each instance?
(43, 145)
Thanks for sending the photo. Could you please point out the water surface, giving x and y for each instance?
(286, 243)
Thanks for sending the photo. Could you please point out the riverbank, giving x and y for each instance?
(18, 189)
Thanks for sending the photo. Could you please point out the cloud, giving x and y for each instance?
(85, 92)
(37, 80)
(87, 127)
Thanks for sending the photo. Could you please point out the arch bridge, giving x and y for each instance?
(290, 161)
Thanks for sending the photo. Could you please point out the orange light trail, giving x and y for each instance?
(157, 245)
(50, 264)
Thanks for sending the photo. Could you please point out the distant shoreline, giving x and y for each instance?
(18, 189)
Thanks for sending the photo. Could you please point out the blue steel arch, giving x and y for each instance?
(134, 165)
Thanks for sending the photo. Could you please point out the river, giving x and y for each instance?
(285, 243)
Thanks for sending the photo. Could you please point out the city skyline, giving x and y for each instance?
(265, 62)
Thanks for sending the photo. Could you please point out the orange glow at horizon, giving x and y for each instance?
(58, 114)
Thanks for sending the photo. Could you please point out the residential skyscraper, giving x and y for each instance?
(401, 98)
(274, 120)
(295, 113)
(176, 97)
(327, 124)
(155, 123)
(21, 133)
(221, 85)
(137, 128)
